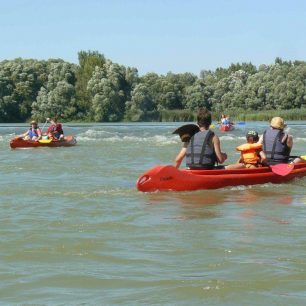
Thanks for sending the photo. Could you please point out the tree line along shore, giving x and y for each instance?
(99, 90)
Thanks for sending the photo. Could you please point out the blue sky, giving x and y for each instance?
(156, 36)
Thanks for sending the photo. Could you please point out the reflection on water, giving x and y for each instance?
(191, 205)
(188, 199)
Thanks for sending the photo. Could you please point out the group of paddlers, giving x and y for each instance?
(54, 131)
(203, 150)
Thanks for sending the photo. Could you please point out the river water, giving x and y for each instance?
(75, 231)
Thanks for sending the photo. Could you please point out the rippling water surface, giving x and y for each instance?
(75, 231)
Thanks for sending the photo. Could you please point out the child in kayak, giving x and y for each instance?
(33, 133)
(252, 155)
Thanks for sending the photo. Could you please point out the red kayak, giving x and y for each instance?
(21, 143)
(168, 178)
(226, 127)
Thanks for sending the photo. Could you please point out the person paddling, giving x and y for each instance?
(33, 133)
(203, 150)
(55, 130)
(276, 143)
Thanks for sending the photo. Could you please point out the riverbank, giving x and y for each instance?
(235, 115)
(189, 116)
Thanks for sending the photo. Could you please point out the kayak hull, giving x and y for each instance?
(21, 143)
(226, 127)
(168, 178)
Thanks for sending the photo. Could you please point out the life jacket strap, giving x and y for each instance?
(208, 136)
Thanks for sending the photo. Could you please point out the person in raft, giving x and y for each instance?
(223, 119)
(276, 143)
(55, 130)
(33, 133)
(203, 150)
(251, 153)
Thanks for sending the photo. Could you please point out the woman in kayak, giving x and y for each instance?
(33, 133)
(203, 150)
(276, 143)
(55, 130)
(251, 152)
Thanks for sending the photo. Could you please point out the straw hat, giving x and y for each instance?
(278, 123)
(186, 131)
(33, 122)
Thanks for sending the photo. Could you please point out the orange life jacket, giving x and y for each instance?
(249, 152)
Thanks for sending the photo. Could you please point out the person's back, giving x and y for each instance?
(276, 143)
(200, 152)
(203, 150)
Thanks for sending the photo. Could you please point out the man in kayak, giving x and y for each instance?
(33, 133)
(55, 130)
(276, 143)
(203, 150)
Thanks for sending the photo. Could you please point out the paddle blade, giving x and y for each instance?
(186, 131)
(282, 169)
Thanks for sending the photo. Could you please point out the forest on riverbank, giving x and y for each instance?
(99, 90)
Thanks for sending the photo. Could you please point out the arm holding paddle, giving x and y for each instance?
(179, 158)
(33, 133)
(23, 136)
(55, 130)
(222, 157)
(300, 159)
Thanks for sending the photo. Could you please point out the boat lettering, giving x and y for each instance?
(166, 178)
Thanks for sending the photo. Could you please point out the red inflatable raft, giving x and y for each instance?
(21, 143)
(167, 178)
(226, 127)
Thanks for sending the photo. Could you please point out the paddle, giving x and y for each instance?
(282, 169)
(186, 131)
(44, 125)
(298, 156)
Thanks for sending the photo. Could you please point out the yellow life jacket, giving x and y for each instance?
(249, 152)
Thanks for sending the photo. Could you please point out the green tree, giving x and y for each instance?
(88, 61)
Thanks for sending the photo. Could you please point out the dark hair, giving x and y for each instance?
(204, 117)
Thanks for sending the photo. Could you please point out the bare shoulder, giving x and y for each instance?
(215, 139)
